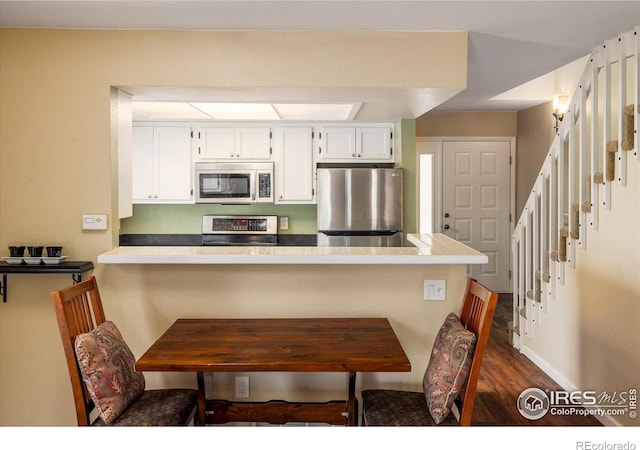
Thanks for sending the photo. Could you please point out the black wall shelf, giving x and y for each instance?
(75, 268)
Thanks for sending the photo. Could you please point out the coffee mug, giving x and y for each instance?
(16, 251)
(54, 252)
(35, 251)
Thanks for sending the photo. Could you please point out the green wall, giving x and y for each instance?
(187, 219)
(410, 174)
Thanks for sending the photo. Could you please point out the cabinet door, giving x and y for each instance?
(142, 181)
(161, 164)
(173, 147)
(217, 143)
(337, 143)
(253, 143)
(293, 165)
(374, 143)
(232, 144)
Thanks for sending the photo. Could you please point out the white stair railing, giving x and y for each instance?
(597, 139)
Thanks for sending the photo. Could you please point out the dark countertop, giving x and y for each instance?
(194, 240)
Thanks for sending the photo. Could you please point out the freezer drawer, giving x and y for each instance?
(360, 240)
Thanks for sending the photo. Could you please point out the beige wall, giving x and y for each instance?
(55, 165)
(535, 133)
(467, 124)
(589, 336)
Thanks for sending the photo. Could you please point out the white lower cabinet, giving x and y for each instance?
(161, 165)
(293, 164)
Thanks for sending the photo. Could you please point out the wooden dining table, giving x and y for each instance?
(349, 345)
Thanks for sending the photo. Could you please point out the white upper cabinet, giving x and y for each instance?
(356, 144)
(234, 143)
(337, 143)
(161, 165)
(374, 143)
(293, 164)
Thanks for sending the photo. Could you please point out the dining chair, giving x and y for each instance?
(451, 377)
(106, 388)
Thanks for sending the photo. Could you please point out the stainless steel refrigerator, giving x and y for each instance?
(359, 207)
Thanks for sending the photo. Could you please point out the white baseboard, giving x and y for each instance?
(562, 381)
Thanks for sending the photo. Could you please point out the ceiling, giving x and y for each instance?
(511, 43)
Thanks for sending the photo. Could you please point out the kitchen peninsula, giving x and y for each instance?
(429, 249)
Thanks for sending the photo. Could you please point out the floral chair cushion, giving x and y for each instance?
(107, 367)
(448, 367)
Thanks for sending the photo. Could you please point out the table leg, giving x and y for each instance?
(3, 288)
(352, 403)
(201, 400)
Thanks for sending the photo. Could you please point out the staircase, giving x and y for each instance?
(593, 155)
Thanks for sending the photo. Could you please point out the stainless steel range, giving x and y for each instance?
(239, 230)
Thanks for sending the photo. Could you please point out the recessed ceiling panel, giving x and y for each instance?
(166, 111)
(238, 111)
(317, 111)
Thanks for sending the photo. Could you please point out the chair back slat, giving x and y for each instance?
(78, 310)
(476, 314)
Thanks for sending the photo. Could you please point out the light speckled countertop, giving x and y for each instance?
(429, 249)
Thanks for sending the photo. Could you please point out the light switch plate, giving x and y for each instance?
(435, 289)
(284, 223)
(94, 221)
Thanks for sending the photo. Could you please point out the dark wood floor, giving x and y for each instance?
(505, 374)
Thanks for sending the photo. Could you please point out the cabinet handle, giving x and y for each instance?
(149, 196)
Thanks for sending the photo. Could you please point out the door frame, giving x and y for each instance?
(436, 150)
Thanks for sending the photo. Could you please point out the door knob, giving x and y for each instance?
(446, 227)
(446, 215)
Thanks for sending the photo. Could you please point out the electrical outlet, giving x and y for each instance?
(242, 387)
(435, 289)
(284, 223)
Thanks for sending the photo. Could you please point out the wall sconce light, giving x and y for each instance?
(560, 105)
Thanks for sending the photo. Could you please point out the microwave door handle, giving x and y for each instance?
(252, 190)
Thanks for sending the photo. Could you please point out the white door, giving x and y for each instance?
(476, 205)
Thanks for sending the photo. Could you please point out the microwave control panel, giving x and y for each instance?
(264, 185)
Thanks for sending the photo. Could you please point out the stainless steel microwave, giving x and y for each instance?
(235, 183)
